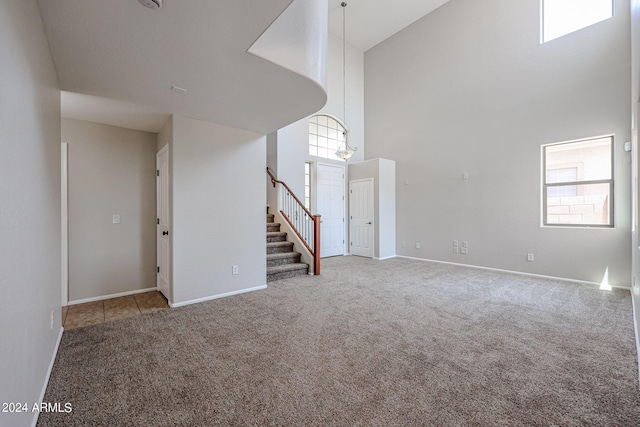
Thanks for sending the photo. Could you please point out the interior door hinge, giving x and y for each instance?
(157, 172)
(158, 269)
(158, 221)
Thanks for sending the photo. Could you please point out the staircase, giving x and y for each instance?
(282, 261)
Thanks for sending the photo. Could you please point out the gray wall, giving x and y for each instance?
(30, 208)
(469, 88)
(111, 171)
(219, 194)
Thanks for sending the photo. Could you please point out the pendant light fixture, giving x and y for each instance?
(346, 152)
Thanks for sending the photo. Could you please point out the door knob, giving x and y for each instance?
(165, 233)
(369, 223)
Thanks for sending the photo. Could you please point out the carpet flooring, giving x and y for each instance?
(369, 343)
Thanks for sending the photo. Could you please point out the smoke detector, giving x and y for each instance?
(152, 4)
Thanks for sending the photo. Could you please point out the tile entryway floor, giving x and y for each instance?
(92, 313)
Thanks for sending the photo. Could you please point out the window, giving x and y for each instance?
(561, 17)
(307, 185)
(326, 135)
(578, 183)
(562, 175)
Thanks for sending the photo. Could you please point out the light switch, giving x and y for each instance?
(116, 219)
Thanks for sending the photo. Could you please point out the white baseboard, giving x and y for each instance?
(386, 257)
(46, 378)
(635, 328)
(212, 297)
(564, 279)
(103, 297)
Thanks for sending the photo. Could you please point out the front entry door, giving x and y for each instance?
(163, 223)
(361, 217)
(330, 191)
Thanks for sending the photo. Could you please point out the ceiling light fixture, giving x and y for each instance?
(152, 4)
(346, 152)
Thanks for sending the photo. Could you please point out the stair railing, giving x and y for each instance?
(304, 223)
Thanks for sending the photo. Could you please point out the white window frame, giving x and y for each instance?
(345, 133)
(578, 182)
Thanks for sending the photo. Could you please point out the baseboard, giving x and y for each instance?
(541, 276)
(103, 297)
(46, 378)
(386, 257)
(212, 297)
(635, 328)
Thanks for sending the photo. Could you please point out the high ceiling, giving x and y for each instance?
(122, 51)
(118, 60)
(369, 22)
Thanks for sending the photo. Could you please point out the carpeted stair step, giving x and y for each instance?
(273, 226)
(279, 247)
(270, 218)
(286, 271)
(274, 260)
(276, 236)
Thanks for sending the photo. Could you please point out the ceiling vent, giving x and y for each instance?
(152, 4)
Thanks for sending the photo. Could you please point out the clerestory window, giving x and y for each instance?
(561, 17)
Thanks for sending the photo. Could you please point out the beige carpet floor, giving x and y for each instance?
(368, 343)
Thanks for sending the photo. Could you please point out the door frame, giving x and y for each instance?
(64, 222)
(373, 219)
(344, 198)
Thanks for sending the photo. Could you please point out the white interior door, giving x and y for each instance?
(330, 204)
(64, 222)
(361, 216)
(163, 223)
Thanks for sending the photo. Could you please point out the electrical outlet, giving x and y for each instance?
(530, 257)
(234, 269)
(464, 251)
(456, 243)
(465, 244)
(417, 245)
(465, 176)
(455, 249)
(116, 219)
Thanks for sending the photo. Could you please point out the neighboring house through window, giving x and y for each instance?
(578, 183)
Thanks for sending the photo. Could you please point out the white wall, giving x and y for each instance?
(218, 190)
(111, 171)
(30, 209)
(469, 88)
(293, 140)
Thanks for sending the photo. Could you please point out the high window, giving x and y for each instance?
(578, 183)
(561, 17)
(326, 135)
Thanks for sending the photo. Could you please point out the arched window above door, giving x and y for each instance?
(326, 135)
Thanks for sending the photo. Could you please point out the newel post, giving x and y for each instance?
(316, 245)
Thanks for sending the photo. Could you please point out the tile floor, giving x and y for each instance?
(92, 313)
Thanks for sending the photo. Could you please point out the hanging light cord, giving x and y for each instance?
(344, 64)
